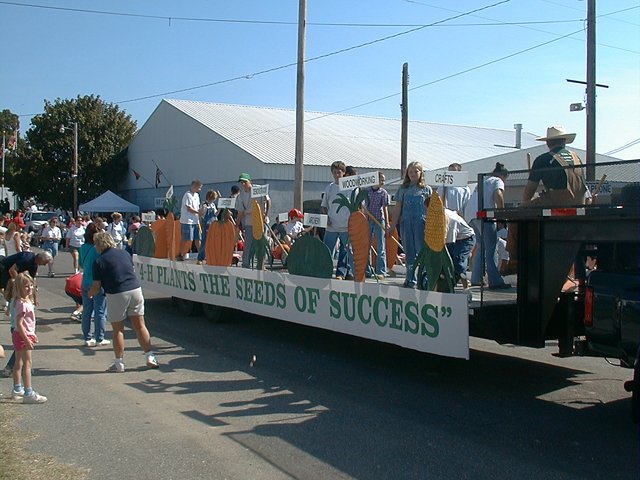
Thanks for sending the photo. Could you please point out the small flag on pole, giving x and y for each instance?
(137, 175)
(158, 174)
(169, 193)
(13, 141)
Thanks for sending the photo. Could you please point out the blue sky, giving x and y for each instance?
(56, 53)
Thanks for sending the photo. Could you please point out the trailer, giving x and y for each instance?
(534, 311)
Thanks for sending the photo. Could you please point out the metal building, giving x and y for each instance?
(184, 140)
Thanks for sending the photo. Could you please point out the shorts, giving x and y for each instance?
(190, 231)
(18, 341)
(74, 249)
(123, 304)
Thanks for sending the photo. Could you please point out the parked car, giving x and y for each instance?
(35, 221)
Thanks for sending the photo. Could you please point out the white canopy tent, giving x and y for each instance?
(109, 202)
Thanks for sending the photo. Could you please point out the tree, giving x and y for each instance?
(44, 162)
(8, 122)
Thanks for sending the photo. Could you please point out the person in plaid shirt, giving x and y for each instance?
(378, 206)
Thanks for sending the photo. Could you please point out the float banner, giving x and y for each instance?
(259, 190)
(315, 220)
(363, 180)
(425, 321)
(227, 202)
(445, 178)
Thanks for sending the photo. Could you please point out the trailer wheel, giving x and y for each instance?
(186, 307)
(213, 313)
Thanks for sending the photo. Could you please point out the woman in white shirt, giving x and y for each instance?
(12, 242)
(75, 239)
(50, 237)
(117, 230)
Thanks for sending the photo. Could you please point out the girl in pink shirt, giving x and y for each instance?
(24, 339)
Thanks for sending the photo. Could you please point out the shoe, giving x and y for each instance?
(90, 343)
(339, 277)
(500, 286)
(198, 262)
(51, 275)
(379, 276)
(349, 277)
(117, 367)
(77, 318)
(34, 398)
(17, 394)
(104, 342)
(179, 258)
(76, 271)
(152, 361)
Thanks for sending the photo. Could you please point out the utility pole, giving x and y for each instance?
(591, 90)
(298, 191)
(404, 108)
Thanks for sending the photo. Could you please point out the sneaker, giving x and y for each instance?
(34, 398)
(51, 275)
(339, 277)
(117, 367)
(77, 318)
(152, 361)
(349, 277)
(379, 276)
(90, 343)
(104, 342)
(17, 394)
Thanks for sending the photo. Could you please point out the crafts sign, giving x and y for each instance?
(425, 321)
(446, 178)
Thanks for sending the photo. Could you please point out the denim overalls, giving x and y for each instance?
(412, 220)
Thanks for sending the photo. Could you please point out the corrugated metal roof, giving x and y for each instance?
(368, 142)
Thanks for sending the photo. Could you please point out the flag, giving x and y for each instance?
(158, 173)
(13, 141)
(169, 193)
(137, 175)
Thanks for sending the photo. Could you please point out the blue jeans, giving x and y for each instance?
(486, 255)
(345, 265)
(51, 247)
(203, 243)
(412, 231)
(381, 263)
(98, 306)
(460, 252)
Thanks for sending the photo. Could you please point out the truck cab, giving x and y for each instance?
(612, 304)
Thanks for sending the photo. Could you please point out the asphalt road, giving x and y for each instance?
(316, 405)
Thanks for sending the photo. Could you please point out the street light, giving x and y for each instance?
(74, 173)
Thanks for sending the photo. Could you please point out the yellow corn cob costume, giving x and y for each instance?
(260, 245)
(433, 260)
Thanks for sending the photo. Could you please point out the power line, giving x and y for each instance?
(623, 147)
(268, 22)
(326, 55)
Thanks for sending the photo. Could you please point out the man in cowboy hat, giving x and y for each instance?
(564, 184)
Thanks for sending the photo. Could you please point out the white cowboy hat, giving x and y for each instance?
(558, 131)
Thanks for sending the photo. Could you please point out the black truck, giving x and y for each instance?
(551, 241)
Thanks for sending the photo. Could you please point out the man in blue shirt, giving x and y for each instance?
(113, 271)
